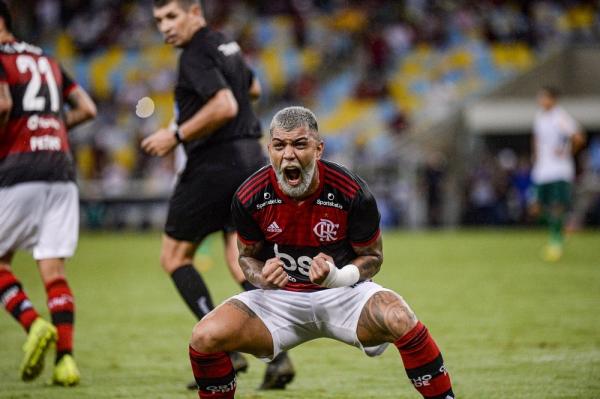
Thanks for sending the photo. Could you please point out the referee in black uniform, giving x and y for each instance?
(217, 127)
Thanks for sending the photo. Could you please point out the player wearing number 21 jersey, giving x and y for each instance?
(39, 204)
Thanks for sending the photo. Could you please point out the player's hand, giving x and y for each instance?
(274, 273)
(319, 269)
(160, 143)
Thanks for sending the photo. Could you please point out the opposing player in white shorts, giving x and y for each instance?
(308, 233)
(39, 206)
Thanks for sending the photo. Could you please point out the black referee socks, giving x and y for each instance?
(193, 290)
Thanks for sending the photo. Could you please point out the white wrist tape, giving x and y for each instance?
(343, 277)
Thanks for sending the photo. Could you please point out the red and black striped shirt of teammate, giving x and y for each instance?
(33, 141)
(342, 213)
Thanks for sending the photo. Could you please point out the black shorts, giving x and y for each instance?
(201, 202)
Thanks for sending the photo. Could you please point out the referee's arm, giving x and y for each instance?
(220, 109)
(255, 90)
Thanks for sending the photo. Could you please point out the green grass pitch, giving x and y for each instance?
(509, 325)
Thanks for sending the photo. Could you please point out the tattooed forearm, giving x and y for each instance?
(387, 316)
(369, 259)
(241, 306)
(252, 267)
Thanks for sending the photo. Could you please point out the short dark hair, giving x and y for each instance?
(185, 4)
(5, 15)
(551, 91)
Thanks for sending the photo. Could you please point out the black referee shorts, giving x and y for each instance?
(201, 202)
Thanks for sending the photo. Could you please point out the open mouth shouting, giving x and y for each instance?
(294, 179)
(293, 175)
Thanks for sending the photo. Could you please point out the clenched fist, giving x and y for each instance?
(274, 273)
(319, 269)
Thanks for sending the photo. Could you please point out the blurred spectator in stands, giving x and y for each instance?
(371, 87)
(522, 186)
(377, 50)
(302, 90)
(481, 194)
(398, 123)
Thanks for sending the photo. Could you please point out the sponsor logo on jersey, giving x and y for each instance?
(274, 228)
(301, 265)
(273, 201)
(35, 122)
(326, 230)
(329, 203)
(230, 48)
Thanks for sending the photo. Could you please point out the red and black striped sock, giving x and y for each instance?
(15, 300)
(62, 312)
(424, 364)
(214, 374)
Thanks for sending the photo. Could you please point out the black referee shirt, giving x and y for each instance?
(209, 63)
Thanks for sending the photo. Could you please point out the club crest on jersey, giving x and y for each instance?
(326, 230)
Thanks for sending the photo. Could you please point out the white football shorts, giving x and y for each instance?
(42, 217)
(297, 317)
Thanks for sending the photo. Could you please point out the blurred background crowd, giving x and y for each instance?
(382, 76)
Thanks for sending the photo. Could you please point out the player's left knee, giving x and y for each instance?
(207, 337)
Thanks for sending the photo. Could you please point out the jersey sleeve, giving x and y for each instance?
(363, 218)
(203, 74)
(248, 230)
(68, 83)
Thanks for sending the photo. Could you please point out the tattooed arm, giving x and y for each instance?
(369, 259)
(269, 275)
(5, 103)
(363, 267)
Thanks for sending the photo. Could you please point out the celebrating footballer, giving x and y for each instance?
(308, 234)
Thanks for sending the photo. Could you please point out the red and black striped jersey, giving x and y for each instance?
(33, 143)
(342, 213)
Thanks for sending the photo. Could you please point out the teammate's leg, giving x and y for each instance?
(230, 327)
(41, 334)
(61, 305)
(13, 296)
(177, 259)
(386, 317)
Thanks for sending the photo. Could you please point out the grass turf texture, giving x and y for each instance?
(509, 325)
